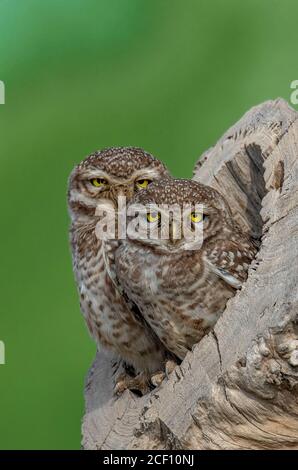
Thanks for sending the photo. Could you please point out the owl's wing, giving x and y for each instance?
(230, 260)
(108, 252)
(109, 249)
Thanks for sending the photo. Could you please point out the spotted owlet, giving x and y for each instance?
(182, 287)
(115, 325)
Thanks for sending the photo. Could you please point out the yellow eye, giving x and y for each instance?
(142, 184)
(98, 182)
(196, 217)
(153, 216)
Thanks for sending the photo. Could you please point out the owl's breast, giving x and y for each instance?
(110, 320)
(138, 272)
(178, 296)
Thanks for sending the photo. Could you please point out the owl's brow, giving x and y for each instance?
(143, 173)
(93, 173)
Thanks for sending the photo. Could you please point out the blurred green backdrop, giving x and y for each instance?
(167, 75)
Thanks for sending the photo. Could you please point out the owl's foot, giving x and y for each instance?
(158, 377)
(170, 366)
(140, 383)
(143, 382)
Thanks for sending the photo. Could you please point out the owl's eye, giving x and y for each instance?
(98, 182)
(196, 217)
(142, 184)
(153, 216)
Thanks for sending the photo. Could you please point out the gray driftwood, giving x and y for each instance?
(238, 388)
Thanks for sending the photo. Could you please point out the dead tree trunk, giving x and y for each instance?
(238, 388)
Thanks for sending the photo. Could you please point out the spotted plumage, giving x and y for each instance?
(112, 321)
(182, 289)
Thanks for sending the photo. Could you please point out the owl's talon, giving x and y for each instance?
(121, 384)
(170, 366)
(157, 378)
(140, 383)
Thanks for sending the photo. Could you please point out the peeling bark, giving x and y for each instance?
(238, 388)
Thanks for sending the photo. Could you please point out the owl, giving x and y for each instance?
(180, 283)
(113, 322)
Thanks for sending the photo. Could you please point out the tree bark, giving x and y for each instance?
(238, 388)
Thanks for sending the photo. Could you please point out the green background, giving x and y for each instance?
(167, 75)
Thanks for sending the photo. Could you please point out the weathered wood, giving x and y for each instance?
(238, 388)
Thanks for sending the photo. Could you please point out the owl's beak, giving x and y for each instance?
(122, 191)
(175, 232)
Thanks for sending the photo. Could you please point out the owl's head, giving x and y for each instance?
(108, 174)
(175, 214)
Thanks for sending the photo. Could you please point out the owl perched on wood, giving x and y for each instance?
(112, 321)
(182, 287)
